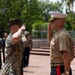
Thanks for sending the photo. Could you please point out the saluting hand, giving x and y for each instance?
(23, 28)
(49, 33)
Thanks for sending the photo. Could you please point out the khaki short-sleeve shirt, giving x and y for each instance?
(60, 41)
(28, 42)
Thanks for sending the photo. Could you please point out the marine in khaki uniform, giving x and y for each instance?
(13, 49)
(28, 46)
(61, 45)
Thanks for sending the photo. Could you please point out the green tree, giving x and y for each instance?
(9, 9)
(40, 25)
(28, 10)
(70, 25)
(48, 6)
(32, 13)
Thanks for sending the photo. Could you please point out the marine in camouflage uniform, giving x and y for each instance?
(13, 57)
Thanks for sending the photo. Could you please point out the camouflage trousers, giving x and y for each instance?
(8, 69)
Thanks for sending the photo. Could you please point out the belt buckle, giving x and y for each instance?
(56, 64)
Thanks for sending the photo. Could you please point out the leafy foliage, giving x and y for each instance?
(33, 13)
(40, 26)
(28, 11)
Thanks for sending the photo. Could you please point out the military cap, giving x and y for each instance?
(14, 21)
(26, 32)
(57, 15)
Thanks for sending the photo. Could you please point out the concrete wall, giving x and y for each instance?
(40, 43)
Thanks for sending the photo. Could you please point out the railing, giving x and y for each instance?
(39, 34)
(42, 34)
(40, 38)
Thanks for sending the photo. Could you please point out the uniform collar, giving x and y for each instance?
(57, 33)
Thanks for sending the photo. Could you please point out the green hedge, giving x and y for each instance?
(39, 26)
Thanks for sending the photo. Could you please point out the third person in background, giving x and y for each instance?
(28, 46)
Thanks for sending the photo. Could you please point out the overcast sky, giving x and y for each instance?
(54, 0)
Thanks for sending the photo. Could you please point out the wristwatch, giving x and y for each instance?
(67, 72)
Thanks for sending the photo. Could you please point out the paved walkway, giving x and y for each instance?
(39, 64)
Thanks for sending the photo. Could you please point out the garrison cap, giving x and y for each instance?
(15, 21)
(57, 15)
(26, 32)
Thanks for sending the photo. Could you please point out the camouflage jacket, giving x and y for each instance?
(13, 57)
